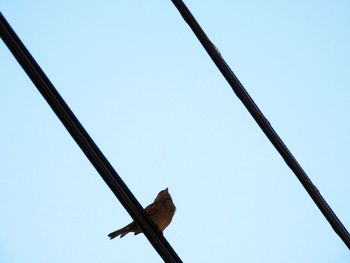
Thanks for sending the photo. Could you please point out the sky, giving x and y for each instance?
(156, 105)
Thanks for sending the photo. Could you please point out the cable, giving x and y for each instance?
(87, 145)
(264, 124)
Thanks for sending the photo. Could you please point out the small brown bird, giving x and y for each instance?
(161, 211)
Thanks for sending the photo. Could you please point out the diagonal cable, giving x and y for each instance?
(264, 124)
(87, 145)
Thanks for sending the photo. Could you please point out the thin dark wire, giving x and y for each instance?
(82, 138)
(264, 124)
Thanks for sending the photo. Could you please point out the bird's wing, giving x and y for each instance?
(151, 209)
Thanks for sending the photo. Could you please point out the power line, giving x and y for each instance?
(87, 145)
(264, 124)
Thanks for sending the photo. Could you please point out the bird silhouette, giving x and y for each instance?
(161, 212)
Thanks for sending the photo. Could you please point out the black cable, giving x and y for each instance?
(264, 124)
(82, 138)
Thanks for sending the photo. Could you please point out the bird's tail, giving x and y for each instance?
(122, 232)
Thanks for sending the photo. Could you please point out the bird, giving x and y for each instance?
(161, 212)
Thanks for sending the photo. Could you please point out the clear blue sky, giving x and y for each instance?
(151, 98)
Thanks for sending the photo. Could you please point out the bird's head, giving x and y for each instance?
(163, 195)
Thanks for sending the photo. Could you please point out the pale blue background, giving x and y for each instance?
(151, 98)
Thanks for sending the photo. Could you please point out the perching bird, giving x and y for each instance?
(161, 211)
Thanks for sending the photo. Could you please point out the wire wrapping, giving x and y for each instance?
(264, 124)
(87, 145)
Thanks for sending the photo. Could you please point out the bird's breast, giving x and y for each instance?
(163, 216)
